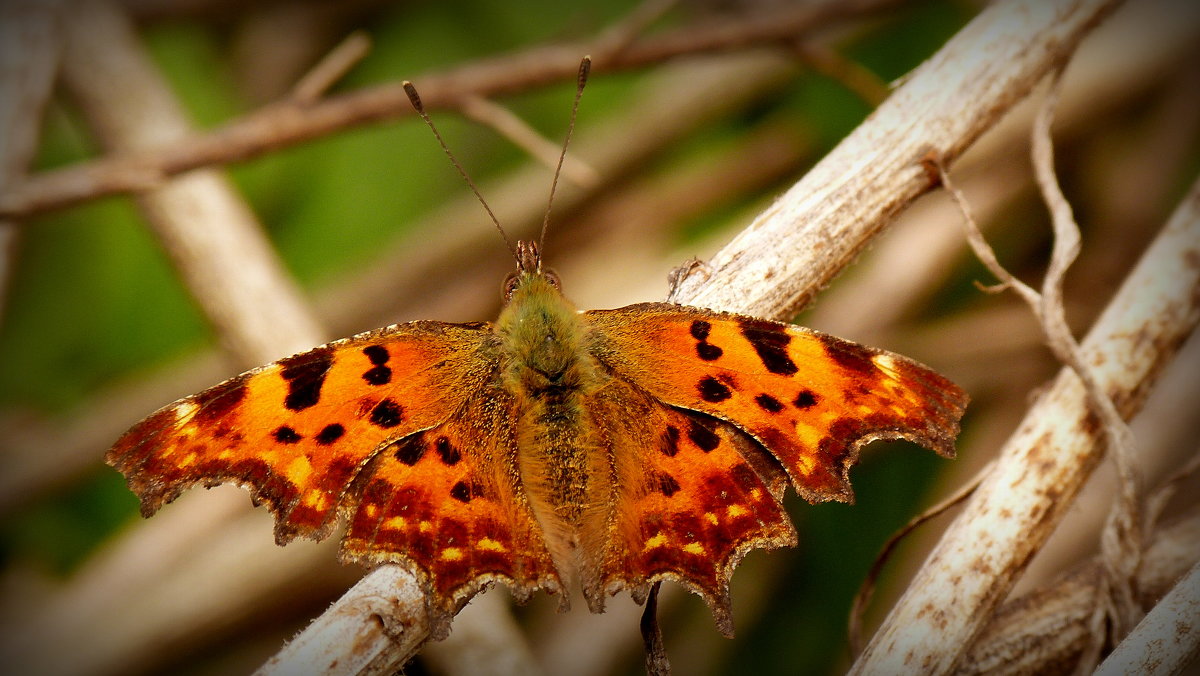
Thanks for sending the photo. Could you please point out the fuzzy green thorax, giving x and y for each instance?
(543, 335)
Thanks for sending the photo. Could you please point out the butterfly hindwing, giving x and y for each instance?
(692, 499)
(445, 503)
(811, 399)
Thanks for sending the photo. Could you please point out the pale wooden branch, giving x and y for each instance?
(861, 169)
(1050, 626)
(287, 123)
(1045, 461)
(1167, 640)
(212, 236)
(827, 218)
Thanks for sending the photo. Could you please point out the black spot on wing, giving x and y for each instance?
(378, 354)
(387, 413)
(449, 454)
(461, 492)
(703, 436)
(411, 449)
(704, 349)
(708, 351)
(286, 435)
(806, 399)
(768, 403)
(305, 374)
(378, 375)
(330, 434)
(713, 390)
(770, 341)
(667, 485)
(670, 445)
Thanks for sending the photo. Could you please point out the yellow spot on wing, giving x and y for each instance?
(694, 548)
(187, 460)
(490, 545)
(712, 518)
(371, 510)
(451, 554)
(659, 540)
(317, 499)
(734, 511)
(424, 526)
(298, 470)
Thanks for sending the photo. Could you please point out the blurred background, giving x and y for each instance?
(375, 226)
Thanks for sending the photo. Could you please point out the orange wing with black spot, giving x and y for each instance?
(720, 412)
(809, 398)
(694, 496)
(387, 428)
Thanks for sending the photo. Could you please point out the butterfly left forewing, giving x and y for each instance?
(296, 432)
(809, 398)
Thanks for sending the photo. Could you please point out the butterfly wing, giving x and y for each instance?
(809, 398)
(695, 383)
(385, 427)
(691, 502)
(447, 499)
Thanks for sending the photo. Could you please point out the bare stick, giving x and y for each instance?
(522, 135)
(1048, 627)
(331, 68)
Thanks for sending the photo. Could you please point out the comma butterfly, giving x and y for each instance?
(625, 446)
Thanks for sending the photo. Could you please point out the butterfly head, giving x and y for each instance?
(530, 276)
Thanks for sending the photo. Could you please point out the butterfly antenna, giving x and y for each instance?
(585, 66)
(415, 99)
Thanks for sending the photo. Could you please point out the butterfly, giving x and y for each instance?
(610, 449)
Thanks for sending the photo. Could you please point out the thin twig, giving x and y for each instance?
(852, 75)
(528, 139)
(331, 68)
(1121, 539)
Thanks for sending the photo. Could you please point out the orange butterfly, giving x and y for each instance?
(623, 446)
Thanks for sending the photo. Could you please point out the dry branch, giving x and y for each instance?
(1050, 626)
(1167, 640)
(1045, 461)
(289, 122)
(829, 216)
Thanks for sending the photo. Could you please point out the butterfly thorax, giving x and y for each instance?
(550, 372)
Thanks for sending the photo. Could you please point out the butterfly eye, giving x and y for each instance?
(552, 277)
(510, 285)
